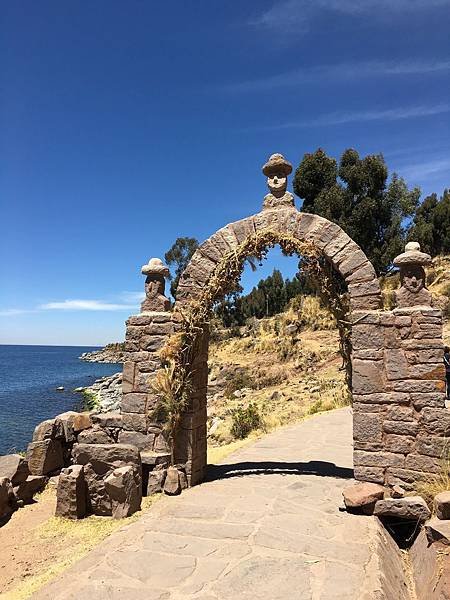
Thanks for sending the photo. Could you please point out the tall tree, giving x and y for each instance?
(431, 226)
(178, 257)
(355, 195)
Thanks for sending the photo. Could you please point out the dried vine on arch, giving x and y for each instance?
(181, 347)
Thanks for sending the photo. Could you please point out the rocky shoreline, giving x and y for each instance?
(111, 353)
(104, 395)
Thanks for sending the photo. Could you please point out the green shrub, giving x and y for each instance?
(245, 420)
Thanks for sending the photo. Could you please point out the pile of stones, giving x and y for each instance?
(374, 499)
(106, 392)
(100, 466)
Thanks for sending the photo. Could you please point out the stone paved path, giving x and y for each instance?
(266, 527)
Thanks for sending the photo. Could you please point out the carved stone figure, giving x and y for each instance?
(277, 168)
(155, 284)
(412, 290)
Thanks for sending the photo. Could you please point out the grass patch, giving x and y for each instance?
(90, 400)
(431, 485)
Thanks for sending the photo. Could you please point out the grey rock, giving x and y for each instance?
(31, 486)
(8, 502)
(14, 467)
(413, 508)
(71, 493)
(442, 505)
(98, 500)
(124, 489)
(172, 486)
(94, 435)
(104, 458)
(107, 419)
(437, 530)
(44, 457)
(44, 431)
(156, 480)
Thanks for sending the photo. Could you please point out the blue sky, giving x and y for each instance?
(128, 124)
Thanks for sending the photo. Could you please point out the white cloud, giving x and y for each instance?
(424, 170)
(96, 305)
(343, 117)
(340, 72)
(11, 312)
(131, 297)
(296, 15)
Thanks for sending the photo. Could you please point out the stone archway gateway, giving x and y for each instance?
(398, 383)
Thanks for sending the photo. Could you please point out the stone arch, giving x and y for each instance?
(328, 238)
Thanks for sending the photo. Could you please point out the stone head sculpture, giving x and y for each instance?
(156, 272)
(412, 290)
(277, 169)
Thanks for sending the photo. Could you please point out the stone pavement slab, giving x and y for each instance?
(268, 525)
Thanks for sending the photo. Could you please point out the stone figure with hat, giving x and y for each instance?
(155, 300)
(277, 169)
(412, 291)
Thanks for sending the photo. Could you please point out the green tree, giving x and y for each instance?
(178, 257)
(355, 195)
(431, 226)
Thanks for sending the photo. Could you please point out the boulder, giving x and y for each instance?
(14, 467)
(70, 423)
(172, 485)
(442, 505)
(437, 530)
(94, 435)
(108, 419)
(44, 457)
(124, 489)
(106, 457)
(44, 431)
(362, 496)
(8, 502)
(411, 508)
(28, 488)
(153, 459)
(98, 500)
(156, 480)
(142, 441)
(71, 493)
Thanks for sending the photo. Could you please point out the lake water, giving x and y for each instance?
(29, 376)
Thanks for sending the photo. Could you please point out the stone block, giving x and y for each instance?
(28, 488)
(401, 427)
(419, 462)
(64, 426)
(431, 445)
(417, 386)
(428, 355)
(402, 444)
(111, 419)
(411, 508)
(142, 441)
(366, 288)
(362, 496)
(71, 500)
(365, 336)
(161, 444)
(98, 500)
(365, 302)
(156, 480)
(400, 413)
(428, 400)
(44, 431)
(95, 435)
(134, 422)
(134, 403)
(367, 377)
(14, 467)
(442, 505)
(396, 364)
(428, 371)
(365, 272)
(436, 421)
(8, 502)
(386, 398)
(438, 530)
(378, 459)
(172, 486)
(372, 474)
(45, 457)
(104, 458)
(128, 376)
(151, 343)
(336, 245)
(123, 486)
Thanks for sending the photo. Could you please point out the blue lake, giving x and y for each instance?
(29, 376)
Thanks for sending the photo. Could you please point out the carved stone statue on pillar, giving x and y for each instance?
(155, 300)
(277, 168)
(412, 291)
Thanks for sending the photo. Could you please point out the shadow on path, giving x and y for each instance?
(313, 467)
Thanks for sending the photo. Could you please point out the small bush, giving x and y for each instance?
(240, 379)
(245, 420)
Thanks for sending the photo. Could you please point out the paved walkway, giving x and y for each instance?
(266, 527)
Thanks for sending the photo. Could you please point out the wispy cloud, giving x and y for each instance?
(96, 305)
(12, 312)
(340, 72)
(132, 297)
(297, 15)
(424, 170)
(343, 117)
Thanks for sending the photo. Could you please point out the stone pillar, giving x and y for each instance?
(146, 333)
(400, 419)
